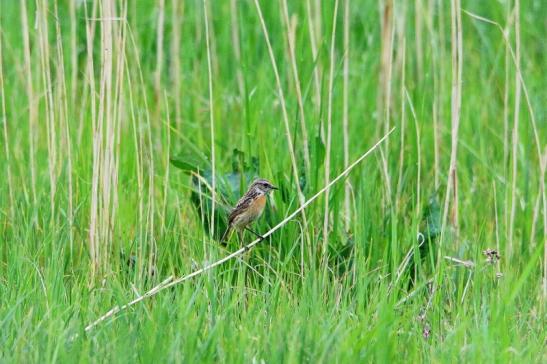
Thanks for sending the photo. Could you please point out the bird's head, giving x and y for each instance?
(262, 185)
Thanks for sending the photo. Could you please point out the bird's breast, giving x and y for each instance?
(258, 205)
(251, 213)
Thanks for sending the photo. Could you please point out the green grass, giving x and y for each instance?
(71, 187)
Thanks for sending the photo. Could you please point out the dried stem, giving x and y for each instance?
(313, 43)
(159, 50)
(62, 113)
(291, 41)
(33, 107)
(345, 117)
(234, 24)
(329, 130)
(211, 115)
(515, 136)
(177, 13)
(457, 54)
(42, 16)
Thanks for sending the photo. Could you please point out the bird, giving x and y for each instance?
(248, 208)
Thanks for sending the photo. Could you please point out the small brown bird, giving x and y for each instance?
(249, 207)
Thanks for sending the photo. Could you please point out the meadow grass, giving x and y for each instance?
(129, 128)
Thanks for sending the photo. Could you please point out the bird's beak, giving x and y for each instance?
(274, 188)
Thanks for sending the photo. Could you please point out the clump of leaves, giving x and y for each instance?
(430, 230)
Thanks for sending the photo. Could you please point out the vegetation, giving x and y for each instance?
(130, 127)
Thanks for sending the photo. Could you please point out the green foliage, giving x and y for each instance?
(288, 299)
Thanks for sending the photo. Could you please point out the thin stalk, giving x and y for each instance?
(211, 116)
(403, 128)
(544, 164)
(292, 56)
(515, 137)
(177, 13)
(457, 53)
(73, 50)
(234, 26)
(345, 117)
(329, 130)
(63, 120)
(6, 137)
(33, 105)
(418, 21)
(386, 64)
(535, 217)
(167, 167)
(159, 49)
(93, 219)
(418, 148)
(42, 16)
(314, 52)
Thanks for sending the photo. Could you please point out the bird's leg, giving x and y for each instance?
(255, 233)
(242, 242)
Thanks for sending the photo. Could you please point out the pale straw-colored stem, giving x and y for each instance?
(515, 135)
(33, 105)
(457, 53)
(345, 117)
(211, 116)
(329, 130)
(290, 33)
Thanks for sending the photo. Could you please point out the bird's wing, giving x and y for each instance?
(243, 204)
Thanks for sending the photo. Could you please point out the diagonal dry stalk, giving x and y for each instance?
(172, 281)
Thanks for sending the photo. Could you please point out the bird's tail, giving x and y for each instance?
(226, 235)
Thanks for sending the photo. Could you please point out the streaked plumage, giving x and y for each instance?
(249, 207)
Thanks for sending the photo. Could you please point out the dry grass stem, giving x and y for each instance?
(329, 130)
